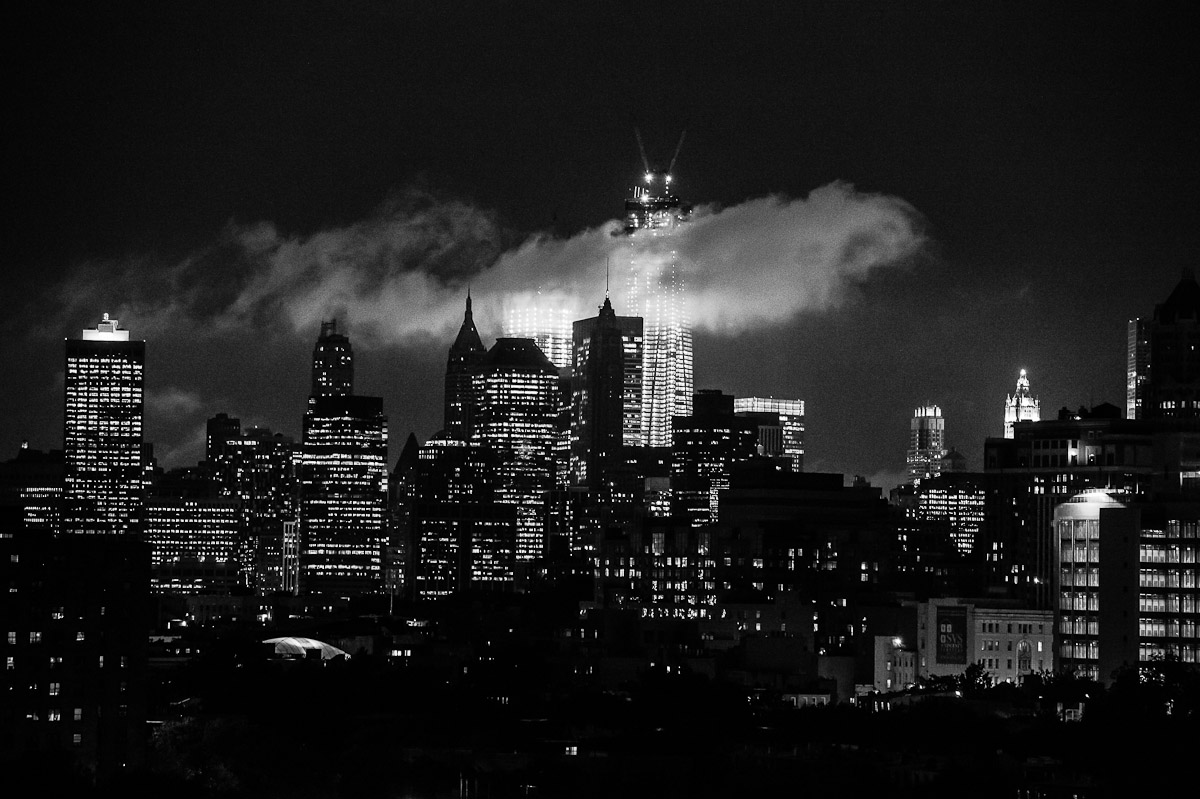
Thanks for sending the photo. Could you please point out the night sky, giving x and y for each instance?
(899, 204)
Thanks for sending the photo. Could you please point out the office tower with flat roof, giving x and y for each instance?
(260, 469)
(780, 426)
(333, 363)
(1127, 582)
(462, 538)
(926, 443)
(343, 495)
(102, 431)
(708, 445)
(655, 291)
(466, 354)
(1021, 406)
(1137, 368)
(519, 400)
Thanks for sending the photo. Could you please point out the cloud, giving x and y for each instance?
(399, 276)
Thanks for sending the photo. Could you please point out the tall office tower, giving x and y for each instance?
(780, 426)
(461, 404)
(518, 393)
(343, 495)
(462, 538)
(102, 432)
(1173, 385)
(1137, 371)
(260, 469)
(1020, 406)
(606, 387)
(708, 445)
(547, 322)
(926, 443)
(655, 292)
(333, 363)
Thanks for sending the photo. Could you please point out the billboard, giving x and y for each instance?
(952, 635)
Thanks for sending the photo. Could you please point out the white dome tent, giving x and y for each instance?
(304, 648)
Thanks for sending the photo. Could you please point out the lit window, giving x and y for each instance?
(78, 714)
(35, 638)
(55, 688)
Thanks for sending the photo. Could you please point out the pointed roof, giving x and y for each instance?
(522, 353)
(1184, 302)
(468, 337)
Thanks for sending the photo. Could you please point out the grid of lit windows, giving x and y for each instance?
(102, 431)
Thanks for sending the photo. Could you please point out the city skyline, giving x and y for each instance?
(1059, 176)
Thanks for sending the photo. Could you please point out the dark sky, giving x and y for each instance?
(215, 173)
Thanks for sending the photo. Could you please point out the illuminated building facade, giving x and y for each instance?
(462, 537)
(260, 470)
(958, 500)
(194, 545)
(1010, 643)
(102, 431)
(606, 393)
(1137, 368)
(655, 292)
(708, 445)
(1127, 582)
(343, 495)
(461, 404)
(926, 443)
(545, 321)
(1020, 406)
(333, 363)
(519, 403)
(780, 426)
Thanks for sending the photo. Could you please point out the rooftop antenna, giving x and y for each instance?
(642, 150)
(607, 271)
(678, 147)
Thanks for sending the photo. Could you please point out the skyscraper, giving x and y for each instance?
(606, 394)
(1020, 406)
(343, 495)
(546, 321)
(708, 445)
(1137, 372)
(461, 404)
(102, 431)
(518, 393)
(343, 478)
(926, 443)
(780, 426)
(333, 363)
(655, 292)
(1172, 387)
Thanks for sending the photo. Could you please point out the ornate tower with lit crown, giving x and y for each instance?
(1021, 406)
(655, 292)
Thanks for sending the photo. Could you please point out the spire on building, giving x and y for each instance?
(460, 401)
(1021, 406)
